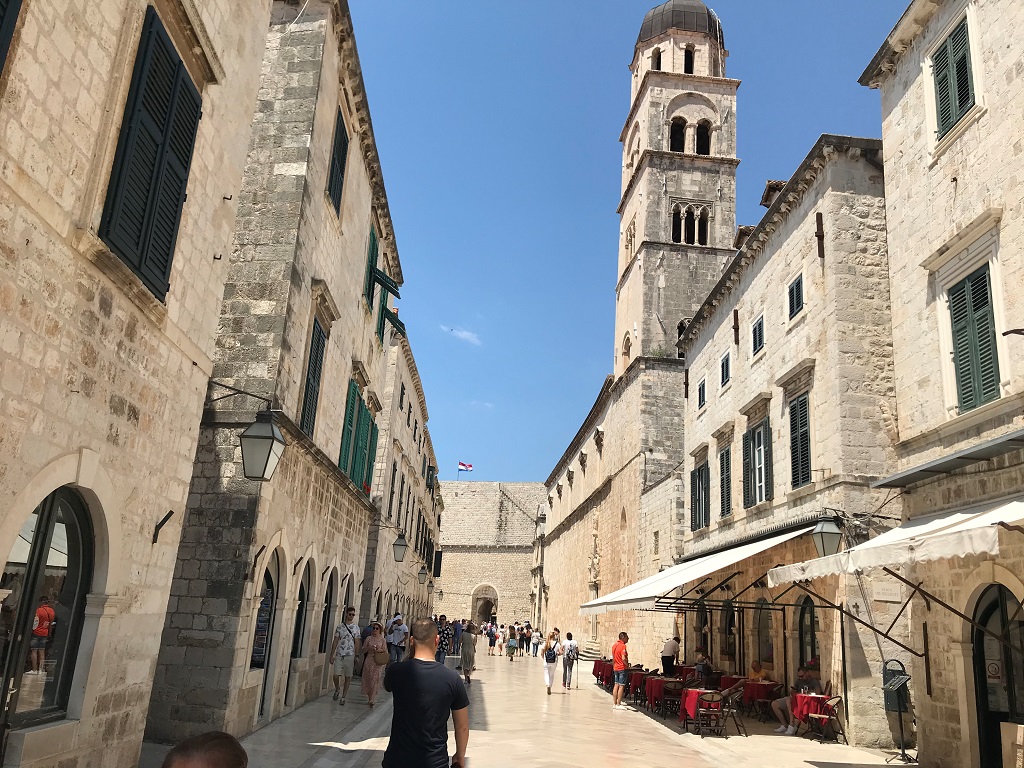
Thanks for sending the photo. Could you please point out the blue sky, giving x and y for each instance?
(498, 135)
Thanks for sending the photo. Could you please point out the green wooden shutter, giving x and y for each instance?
(382, 315)
(943, 75)
(769, 480)
(975, 358)
(960, 69)
(371, 452)
(748, 471)
(314, 370)
(800, 441)
(339, 156)
(796, 296)
(725, 473)
(693, 500)
(362, 443)
(8, 20)
(348, 429)
(705, 496)
(150, 173)
(371, 263)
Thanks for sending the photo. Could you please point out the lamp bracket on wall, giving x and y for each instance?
(255, 560)
(161, 524)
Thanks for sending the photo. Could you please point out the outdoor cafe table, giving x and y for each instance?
(603, 671)
(656, 688)
(805, 704)
(686, 672)
(728, 681)
(688, 706)
(752, 691)
(636, 678)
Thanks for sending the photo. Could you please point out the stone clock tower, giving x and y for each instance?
(678, 179)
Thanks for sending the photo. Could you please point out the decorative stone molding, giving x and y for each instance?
(725, 432)
(756, 403)
(798, 378)
(323, 303)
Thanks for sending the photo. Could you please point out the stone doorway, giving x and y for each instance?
(485, 603)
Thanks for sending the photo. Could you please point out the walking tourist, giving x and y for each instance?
(492, 639)
(670, 656)
(468, 650)
(620, 663)
(513, 644)
(552, 650)
(444, 634)
(571, 652)
(457, 631)
(375, 655)
(783, 706)
(397, 634)
(344, 649)
(522, 640)
(425, 694)
(502, 634)
(537, 634)
(214, 749)
(41, 628)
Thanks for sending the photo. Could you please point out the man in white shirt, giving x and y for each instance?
(670, 656)
(397, 635)
(571, 652)
(344, 650)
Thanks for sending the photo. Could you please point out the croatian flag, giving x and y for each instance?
(464, 467)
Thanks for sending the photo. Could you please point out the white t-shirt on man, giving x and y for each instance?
(671, 648)
(399, 632)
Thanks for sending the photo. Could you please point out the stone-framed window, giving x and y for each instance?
(688, 56)
(757, 335)
(975, 355)
(796, 296)
(725, 370)
(725, 481)
(800, 440)
(677, 135)
(702, 393)
(700, 502)
(339, 158)
(953, 78)
(314, 371)
(358, 440)
(151, 165)
(757, 463)
(656, 60)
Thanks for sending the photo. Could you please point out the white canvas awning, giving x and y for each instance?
(969, 531)
(645, 592)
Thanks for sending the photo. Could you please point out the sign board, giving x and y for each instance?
(887, 592)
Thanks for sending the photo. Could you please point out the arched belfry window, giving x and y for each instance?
(688, 60)
(677, 135)
(808, 631)
(626, 349)
(702, 227)
(656, 60)
(703, 138)
(45, 581)
(690, 227)
(677, 225)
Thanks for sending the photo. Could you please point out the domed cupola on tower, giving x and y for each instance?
(682, 36)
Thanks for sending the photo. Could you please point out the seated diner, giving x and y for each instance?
(783, 706)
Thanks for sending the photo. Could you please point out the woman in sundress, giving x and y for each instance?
(372, 671)
(469, 650)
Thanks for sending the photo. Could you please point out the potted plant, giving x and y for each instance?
(813, 666)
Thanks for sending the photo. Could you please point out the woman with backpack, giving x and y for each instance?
(571, 652)
(492, 638)
(552, 650)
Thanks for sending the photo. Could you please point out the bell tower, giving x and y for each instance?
(678, 204)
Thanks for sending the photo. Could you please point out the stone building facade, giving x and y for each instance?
(408, 494)
(790, 391)
(488, 543)
(123, 128)
(677, 229)
(307, 323)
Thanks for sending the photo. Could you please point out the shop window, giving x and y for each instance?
(808, 631)
(44, 586)
(763, 624)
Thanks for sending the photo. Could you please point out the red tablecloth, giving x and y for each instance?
(636, 678)
(728, 681)
(656, 687)
(686, 672)
(753, 691)
(603, 671)
(688, 708)
(805, 704)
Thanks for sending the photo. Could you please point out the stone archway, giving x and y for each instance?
(485, 603)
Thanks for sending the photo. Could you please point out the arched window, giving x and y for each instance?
(677, 135)
(380, 606)
(688, 60)
(728, 630)
(702, 227)
(703, 138)
(702, 629)
(299, 631)
(626, 347)
(326, 618)
(690, 227)
(998, 672)
(808, 631)
(763, 623)
(45, 580)
(656, 60)
(677, 225)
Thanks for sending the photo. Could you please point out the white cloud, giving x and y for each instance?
(482, 404)
(460, 333)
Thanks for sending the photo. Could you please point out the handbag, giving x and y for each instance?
(381, 658)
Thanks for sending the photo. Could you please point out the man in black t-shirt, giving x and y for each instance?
(425, 693)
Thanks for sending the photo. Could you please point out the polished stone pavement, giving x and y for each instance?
(514, 723)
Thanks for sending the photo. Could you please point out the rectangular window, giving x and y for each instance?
(796, 297)
(415, 429)
(757, 464)
(800, 440)
(372, 253)
(147, 186)
(431, 473)
(349, 427)
(975, 357)
(726, 369)
(657, 543)
(725, 473)
(8, 20)
(314, 368)
(391, 493)
(700, 507)
(401, 398)
(702, 394)
(757, 335)
(339, 156)
(423, 469)
(954, 80)
(361, 449)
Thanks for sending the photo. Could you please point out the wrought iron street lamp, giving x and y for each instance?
(262, 447)
(827, 536)
(400, 546)
(422, 575)
(430, 586)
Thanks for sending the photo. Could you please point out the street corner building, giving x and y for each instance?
(489, 572)
(123, 128)
(308, 325)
